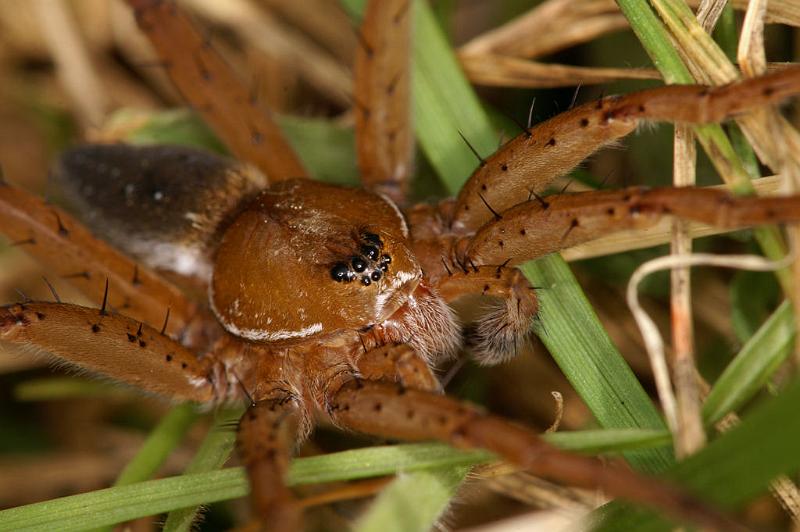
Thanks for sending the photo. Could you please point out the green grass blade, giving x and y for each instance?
(123, 503)
(161, 441)
(412, 502)
(445, 105)
(212, 455)
(58, 388)
(577, 341)
(737, 466)
(609, 440)
(441, 465)
(431, 468)
(751, 369)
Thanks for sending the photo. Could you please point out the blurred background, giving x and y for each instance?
(77, 71)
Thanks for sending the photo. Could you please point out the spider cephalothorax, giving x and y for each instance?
(311, 299)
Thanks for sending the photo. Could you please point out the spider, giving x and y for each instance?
(334, 302)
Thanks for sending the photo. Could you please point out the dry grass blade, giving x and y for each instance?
(264, 33)
(778, 11)
(505, 71)
(75, 68)
(557, 24)
(652, 337)
(323, 21)
(690, 434)
(709, 64)
(709, 12)
(524, 487)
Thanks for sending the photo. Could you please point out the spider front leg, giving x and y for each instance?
(267, 433)
(112, 345)
(391, 411)
(538, 227)
(527, 164)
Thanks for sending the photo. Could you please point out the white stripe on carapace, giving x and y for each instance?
(260, 335)
(397, 211)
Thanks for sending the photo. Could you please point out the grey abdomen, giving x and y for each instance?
(164, 205)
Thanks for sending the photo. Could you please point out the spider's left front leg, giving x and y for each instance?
(385, 409)
(535, 228)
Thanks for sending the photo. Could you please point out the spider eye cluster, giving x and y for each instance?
(371, 263)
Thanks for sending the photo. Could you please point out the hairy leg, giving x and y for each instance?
(528, 163)
(266, 437)
(211, 87)
(112, 345)
(538, 227)
(382, 72)
(54, 237)
(386, 410)
(508, 304)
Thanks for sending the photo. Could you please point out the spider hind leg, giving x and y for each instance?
(57, 239)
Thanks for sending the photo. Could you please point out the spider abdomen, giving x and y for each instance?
(163, 204)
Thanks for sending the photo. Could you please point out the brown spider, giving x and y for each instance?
(330, 301)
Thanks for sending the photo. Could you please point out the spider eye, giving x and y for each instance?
(365, 281)
(359, 264)
(370, 252)
(386, 259)
(372, 238)
(340, 272)
(376, 275)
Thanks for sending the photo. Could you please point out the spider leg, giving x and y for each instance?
(398, 363)
(386, 410)
(529, 162)
(382, 72)
(54, 237)
(266, 435)
(110, 344)
(532, 229)
(211, 87)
